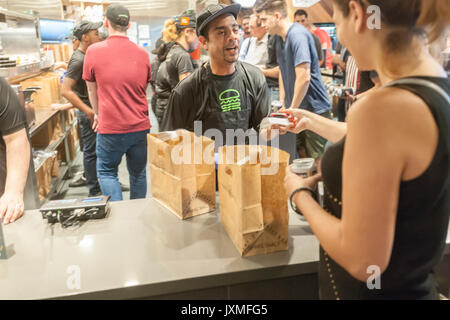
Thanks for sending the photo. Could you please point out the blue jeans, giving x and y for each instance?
(89, 138)
(110, 150)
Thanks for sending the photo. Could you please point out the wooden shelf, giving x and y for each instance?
(42, 117)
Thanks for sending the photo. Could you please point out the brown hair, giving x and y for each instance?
(435, 14)
(271, 6)
(413, 16)
(406, 22)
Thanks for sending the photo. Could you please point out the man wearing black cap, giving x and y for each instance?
(176, 62)
(117, 73)
(224, 93)
(75, 91)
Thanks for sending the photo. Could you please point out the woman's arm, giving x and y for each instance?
(374, 160)
(327, 128)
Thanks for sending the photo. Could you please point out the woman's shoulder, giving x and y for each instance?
(389, 104)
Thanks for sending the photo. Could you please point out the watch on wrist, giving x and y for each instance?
(293, 206)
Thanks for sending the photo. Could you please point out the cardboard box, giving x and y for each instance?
(48, 134)
(44, 177)
(50, 92)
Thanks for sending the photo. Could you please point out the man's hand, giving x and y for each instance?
(11, 207)
(95, 123)
(91, 116)
(349, 97)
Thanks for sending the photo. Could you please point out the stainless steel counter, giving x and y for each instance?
(142, 250)
(142, 247)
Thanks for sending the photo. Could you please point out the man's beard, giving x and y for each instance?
(231, 60)
(193, 46)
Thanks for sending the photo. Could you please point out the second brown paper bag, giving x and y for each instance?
(253, 204)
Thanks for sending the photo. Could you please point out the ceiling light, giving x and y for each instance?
(246, 3)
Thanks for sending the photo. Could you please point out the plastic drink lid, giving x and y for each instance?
(303, 165)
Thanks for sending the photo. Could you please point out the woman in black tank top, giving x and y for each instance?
(386, 212)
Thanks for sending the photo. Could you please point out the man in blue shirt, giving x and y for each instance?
(300, 80)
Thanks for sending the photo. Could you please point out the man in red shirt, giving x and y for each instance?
(117, 73)
(324, 37)
(327, 45)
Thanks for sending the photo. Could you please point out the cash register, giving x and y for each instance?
(70, 212)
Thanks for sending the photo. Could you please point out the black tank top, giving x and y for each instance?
(422, 218)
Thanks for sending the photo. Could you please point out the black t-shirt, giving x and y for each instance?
(178, 61)
(12, 119)
(318, 47)
(237, 101)
(75, 72)
(272, 62)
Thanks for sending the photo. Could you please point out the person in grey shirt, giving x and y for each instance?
(257, 53)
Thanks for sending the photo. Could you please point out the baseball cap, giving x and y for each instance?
(212, 12)
(118, 14)
(186, 20)
(84, 27)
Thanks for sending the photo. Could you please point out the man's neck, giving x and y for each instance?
(222, 69)
(183, 43)
(261, 37)
(284, 28)
(113, 32)
(83, 47)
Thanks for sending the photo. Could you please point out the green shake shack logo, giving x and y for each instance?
(230, 100)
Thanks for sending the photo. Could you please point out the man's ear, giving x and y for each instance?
(129, 25)
(204, 42)
(277, 15)
(106, 23)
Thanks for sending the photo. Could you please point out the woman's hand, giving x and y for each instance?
(303, 120)
(293, 182)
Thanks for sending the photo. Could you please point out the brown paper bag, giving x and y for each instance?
(253, 204)
(189, 188)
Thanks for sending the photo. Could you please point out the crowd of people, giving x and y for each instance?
(386, 174)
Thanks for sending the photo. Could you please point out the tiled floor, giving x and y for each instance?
(82, 192)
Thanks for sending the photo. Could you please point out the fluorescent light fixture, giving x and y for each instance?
(304, 3)
(246, 3)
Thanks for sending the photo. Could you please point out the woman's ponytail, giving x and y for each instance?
(435, 18)
(169, 32)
